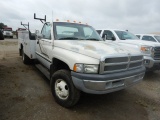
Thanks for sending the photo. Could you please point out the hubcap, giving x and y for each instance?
(61, 89)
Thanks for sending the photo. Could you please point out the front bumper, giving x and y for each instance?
(152, 64)
(106, 83)
(8, 35)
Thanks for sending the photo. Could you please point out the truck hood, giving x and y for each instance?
(140, 42)
(95, 49)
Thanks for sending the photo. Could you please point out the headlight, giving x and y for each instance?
(85, 68)
(146, 49)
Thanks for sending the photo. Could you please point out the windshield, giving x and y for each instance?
(123, 35)
(158, 38)
(73, 31)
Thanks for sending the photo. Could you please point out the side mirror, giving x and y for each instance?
(105, 37)
(113, 38)
(37, 32)
(39, 36)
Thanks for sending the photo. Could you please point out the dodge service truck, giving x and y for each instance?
(75, 58)
(150, 50)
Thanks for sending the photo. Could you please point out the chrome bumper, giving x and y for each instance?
(110, 84)
(150, 62)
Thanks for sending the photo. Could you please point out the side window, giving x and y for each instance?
(109, 35)
(138, 36)
(46, 31)
(148, 38)
(99, 31)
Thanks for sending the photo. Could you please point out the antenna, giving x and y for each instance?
(51, 24)
(52, 16)
(24, 25)
(41, 19)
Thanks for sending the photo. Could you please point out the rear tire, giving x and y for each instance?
(63, 89)
(20, 52)
(25, 58)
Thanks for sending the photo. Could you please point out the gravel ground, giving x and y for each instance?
(25, 95)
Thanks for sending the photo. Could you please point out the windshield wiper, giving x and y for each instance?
(68, 38)
(93, 39)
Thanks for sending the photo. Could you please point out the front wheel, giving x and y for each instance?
(63, 89)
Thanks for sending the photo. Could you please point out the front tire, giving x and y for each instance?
(63, 89)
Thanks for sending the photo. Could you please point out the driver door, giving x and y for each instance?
(44, 44)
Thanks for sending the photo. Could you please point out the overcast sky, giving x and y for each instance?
(138, 16)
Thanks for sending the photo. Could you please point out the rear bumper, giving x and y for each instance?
(102, 84)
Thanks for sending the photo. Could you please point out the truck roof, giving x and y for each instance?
(149, 34)
(68, 21)
(110, 29)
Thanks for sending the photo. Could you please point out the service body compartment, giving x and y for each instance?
(29, 46)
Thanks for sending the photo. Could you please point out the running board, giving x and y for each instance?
(43, 70)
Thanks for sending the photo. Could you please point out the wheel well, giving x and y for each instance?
(21, 46)
(20, 50)
(57, 65)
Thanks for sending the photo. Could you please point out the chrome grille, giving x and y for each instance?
(115, 60)
(116, 64)
(157, 53)
(136, 58)
(115, 67)
(133, 65)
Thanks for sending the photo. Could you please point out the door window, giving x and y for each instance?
(109, 35)
(46, 31)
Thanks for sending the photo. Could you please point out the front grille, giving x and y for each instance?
(115, 60)
(116, 64)
(133, 58)
(115, 67)
(157, 53)
(133, 65)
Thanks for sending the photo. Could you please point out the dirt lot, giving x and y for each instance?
(25, 95)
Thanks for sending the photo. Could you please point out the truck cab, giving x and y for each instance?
(149, 37)
(75, 58)
(150, 50)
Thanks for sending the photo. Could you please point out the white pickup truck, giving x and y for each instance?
(149, 37)
(150, 50)
(7, 32)
(75, 58)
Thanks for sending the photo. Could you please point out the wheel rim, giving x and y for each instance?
(61, 89)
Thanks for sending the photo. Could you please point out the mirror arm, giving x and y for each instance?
(105, 37)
